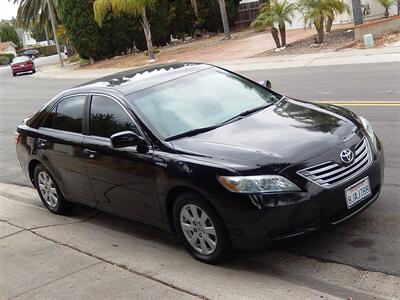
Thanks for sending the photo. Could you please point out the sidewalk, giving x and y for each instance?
(349, 56)
(92, 255)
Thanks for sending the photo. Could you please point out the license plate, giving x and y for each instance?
(357, 192)
(21, 65)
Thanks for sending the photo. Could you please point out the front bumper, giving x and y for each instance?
(281, 216)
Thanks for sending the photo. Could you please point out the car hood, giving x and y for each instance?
(283, 134)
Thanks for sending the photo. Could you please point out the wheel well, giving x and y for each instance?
(31, 168)
(171, 197)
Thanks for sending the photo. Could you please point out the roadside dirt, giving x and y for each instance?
(385, 40)
(334, 40)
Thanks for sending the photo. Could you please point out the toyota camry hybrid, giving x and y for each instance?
(222, 161)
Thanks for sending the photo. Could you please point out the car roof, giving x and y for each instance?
(131, 81)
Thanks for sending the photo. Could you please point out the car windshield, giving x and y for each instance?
(200, 100)
(20, 59)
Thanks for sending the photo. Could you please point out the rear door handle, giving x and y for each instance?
(90, 153)
(41, 142)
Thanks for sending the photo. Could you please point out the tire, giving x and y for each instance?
(211, 243)
(49, 191)
(33, 71)
(14, 74)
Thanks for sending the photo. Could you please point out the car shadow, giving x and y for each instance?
(123, 225)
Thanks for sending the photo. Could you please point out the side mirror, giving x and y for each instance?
(266, 83)
(126, 139)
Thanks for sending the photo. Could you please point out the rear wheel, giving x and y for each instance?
(201, 229)
(49, 191)
(33, 71)
(14, 74)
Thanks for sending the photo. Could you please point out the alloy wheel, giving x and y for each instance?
(47, 189)
(198, 229)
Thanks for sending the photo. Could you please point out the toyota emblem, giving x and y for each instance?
(347, 156)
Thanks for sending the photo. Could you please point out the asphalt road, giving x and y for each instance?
(369, 241)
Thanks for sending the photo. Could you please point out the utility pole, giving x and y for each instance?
(357, 14)
(53, 26)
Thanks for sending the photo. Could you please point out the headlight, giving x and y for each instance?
(258, 184)
(368, 128)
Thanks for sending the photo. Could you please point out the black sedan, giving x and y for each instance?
(32, 53)
(222, 161)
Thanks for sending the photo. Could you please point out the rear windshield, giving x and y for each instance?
(20, 59)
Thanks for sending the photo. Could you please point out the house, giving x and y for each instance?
(25, 36)
(8, 47)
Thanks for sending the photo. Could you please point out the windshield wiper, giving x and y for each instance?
(192, 132)
(208, 128)
(245, 113)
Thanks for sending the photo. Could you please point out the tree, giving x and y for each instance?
(275, 14)
(93, 42)
(224, 17)
(195, 6)
(8, 33)
(41, 12)
(357, 13)
(314, 13)
(386, 4)
(131, 7)
(336, 7)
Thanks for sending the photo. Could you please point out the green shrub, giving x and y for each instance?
(10, 56)
(47, 50)
(8, 33)
(4, 60)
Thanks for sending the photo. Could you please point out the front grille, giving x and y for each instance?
(330, 174)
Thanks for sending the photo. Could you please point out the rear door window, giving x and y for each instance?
(67, 115)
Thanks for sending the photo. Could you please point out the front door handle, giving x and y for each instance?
(90, 153)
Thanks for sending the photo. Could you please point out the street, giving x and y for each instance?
(370, 241)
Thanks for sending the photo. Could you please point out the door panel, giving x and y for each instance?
(122, 179)
(62, 153)
(60, 145)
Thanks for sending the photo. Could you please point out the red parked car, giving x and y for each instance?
(22, 64)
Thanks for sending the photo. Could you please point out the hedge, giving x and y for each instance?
(118, 34)
(10, 56)
(4, 60)
(47, 50)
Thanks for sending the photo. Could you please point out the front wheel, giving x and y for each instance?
(201, 229)
(49, 191)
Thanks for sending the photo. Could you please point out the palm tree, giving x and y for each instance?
(336, 7)
(275, 14)
(42, 13)
(386, 4)
(224, 16)
(131, 7)
(314, 13)
(196, 7)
